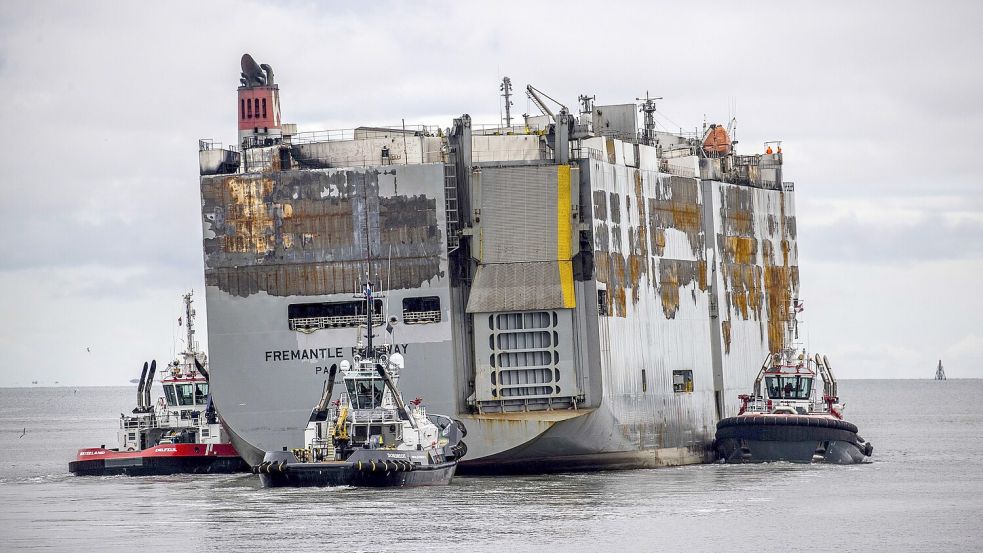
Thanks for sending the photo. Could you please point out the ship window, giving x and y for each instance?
(169, 392)
(421, 310)
(201, 393)
(365, 393)
(789, 387)
(242, 109)
(682, 381)
(345, 314)
(185, 394)
(264, 108)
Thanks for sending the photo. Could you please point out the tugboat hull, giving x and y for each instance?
(160, 460)
(791, 438)
(381, 475)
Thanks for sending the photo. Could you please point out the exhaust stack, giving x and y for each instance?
(143, 380)
(149, 384)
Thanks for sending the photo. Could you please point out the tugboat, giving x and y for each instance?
(783, 419)
(180, 433)
(369, 436)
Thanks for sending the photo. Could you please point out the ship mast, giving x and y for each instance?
(506, 89)
(189, 317)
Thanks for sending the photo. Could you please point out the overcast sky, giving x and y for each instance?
(102, 104)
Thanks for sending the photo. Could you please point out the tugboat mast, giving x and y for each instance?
(189, 317)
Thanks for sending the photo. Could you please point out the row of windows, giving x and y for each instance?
(247, 111)
(186, 394)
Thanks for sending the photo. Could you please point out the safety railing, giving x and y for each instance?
(421, 317)
(338, 321)
(206, 144)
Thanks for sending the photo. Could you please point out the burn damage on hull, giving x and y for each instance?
(303, 232)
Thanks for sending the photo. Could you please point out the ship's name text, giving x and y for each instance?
(314, 354)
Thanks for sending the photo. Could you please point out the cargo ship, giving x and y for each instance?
(582, 290)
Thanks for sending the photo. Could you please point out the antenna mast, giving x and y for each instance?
(506, 88)
(189, 316)
(648, 108)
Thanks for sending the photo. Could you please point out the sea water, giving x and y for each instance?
(922, 492)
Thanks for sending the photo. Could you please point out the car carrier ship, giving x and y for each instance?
(581, 291)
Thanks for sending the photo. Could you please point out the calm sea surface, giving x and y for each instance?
(923, 492)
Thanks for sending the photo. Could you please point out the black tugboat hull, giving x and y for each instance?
(303, 475)
(790, 438)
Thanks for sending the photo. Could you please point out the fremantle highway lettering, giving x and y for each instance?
(320, 354)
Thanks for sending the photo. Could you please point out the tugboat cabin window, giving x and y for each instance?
(201, 393)
(365, 393)
(169, 393)
(789, 387)
(185, 394)
(344, 314)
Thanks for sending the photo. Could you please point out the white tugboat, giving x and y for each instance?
(179, 433)
(785, 419)
(369, 436)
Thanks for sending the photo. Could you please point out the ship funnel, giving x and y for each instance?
(149, 384)
(143, 380)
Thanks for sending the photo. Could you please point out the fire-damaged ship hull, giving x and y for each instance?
(580, 295)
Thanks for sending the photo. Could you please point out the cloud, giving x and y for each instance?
(927, 238)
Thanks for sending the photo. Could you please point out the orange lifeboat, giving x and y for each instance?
(717, 143)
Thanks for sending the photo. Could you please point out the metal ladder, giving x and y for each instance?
(450, 207)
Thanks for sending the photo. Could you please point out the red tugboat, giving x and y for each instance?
(784, 419)
(180, 433)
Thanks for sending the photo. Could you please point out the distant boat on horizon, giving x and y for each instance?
(940, 372)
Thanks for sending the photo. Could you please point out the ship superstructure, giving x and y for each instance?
(579, 292)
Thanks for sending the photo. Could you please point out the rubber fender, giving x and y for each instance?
(281, 466)
(373, 466)
(868, 449)
(462, 428)
(359, 465)
(787, 420)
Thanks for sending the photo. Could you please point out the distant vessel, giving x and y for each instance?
(940, 372)
(177, 434)
(370, 437)
(783, 419)
(580, 288)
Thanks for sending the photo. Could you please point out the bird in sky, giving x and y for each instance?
(88, 350)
